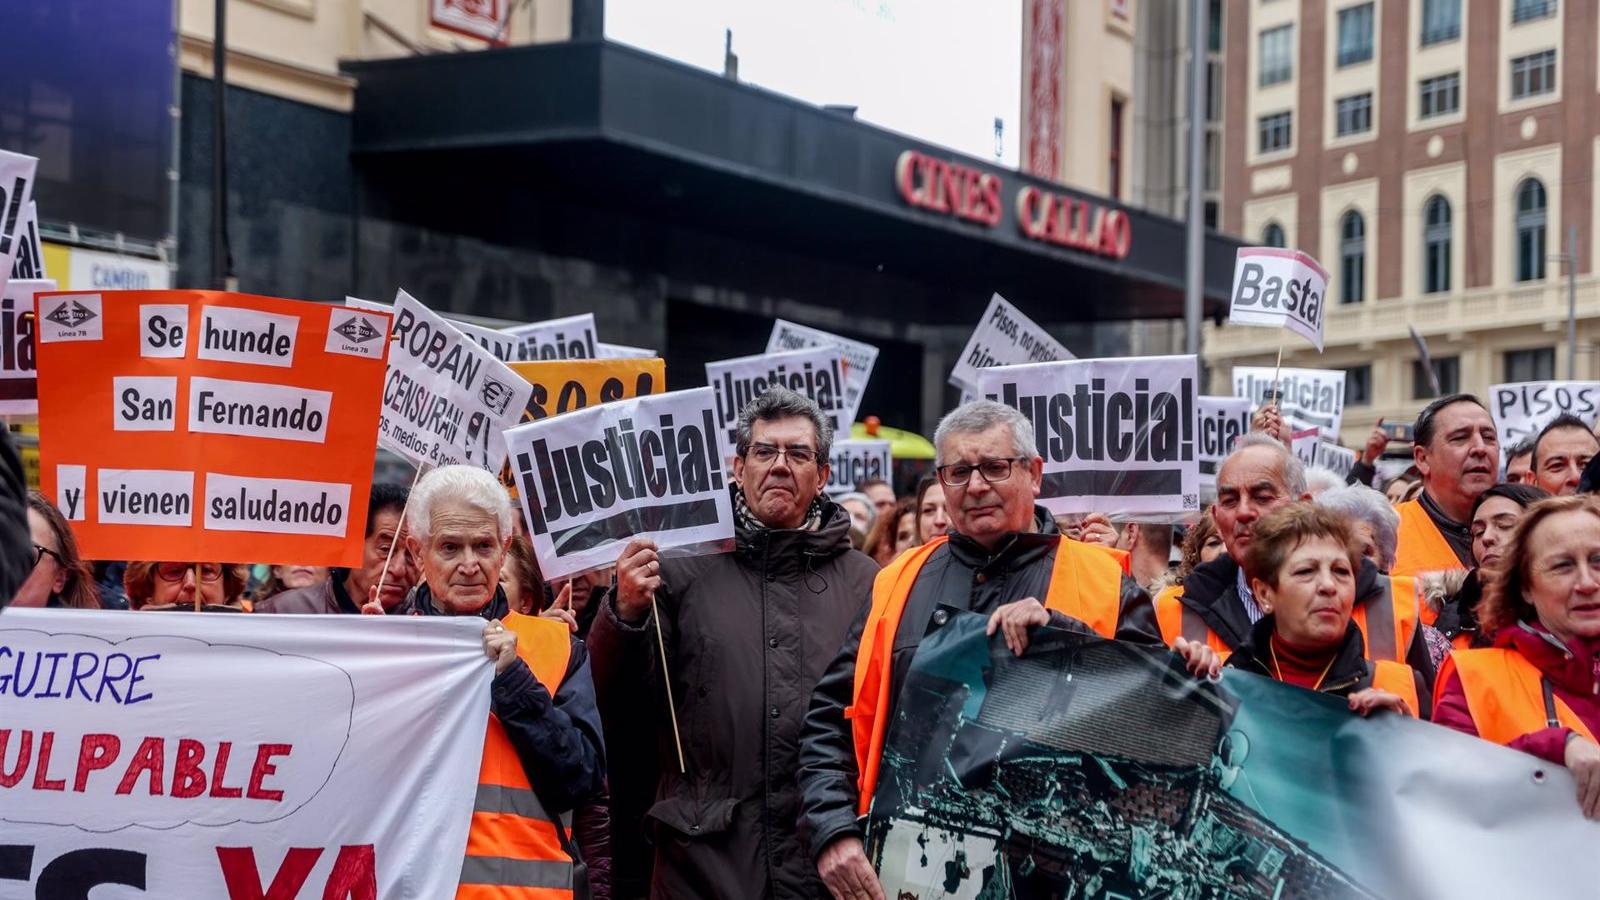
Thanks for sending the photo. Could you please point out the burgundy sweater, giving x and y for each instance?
(1574, 675)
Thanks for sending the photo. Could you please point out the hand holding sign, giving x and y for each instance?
(638, 577)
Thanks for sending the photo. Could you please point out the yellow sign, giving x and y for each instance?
(563, 385)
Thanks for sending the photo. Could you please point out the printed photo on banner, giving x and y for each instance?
(19, 376)
(160, 756)
(1118, 436)
(1277, 288)
(1004, 337)
(1521, 410)
(1222, 421)
(819, 373)
(593, 479)
(571, 337)
(200, 425)
(445, 398)
(859, 358)
(30, 253)
(1307, 398)
(854, 461)
(16, 196)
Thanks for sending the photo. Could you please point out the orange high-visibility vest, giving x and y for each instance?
(513, 849)
(1085, 584)
(1505, 694)
(1396, 604)
(1421, 547)
(1397, 678)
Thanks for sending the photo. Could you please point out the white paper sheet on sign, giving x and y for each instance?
(167, 761)
(1277, 288)
(1308, 398)
(1004, 337)
(1521, 410)
(859, 357)
(818, 373)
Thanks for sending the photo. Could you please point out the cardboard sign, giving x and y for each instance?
(16, 195)
(19, 376)
(208, 426)
(1117, 436)
(854, 461)
(1004, 337)
(561, 386)
(602, 350)
(145, 759)
(572, 337)
(30, 254)
(593, 479)
(445, 398)
(1278, 288)
(859, 358)
(1522, 409)
(1308, 398)
(1223, 420)
(819, 373)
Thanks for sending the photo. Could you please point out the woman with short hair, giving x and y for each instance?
(172, 586)
(1535, 689)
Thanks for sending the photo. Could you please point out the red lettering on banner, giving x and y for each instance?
(150, 757)
(219, 768)
(243, 880)
(95, 752)
(24, 751)
(264, 767)
(41, 769)
(188, 779)
(354, 876)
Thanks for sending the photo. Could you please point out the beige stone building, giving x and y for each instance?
(1434, 155)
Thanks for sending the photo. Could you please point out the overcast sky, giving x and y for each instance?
(942, 70)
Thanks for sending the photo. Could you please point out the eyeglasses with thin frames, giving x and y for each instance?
(992, 470)
(796, 456)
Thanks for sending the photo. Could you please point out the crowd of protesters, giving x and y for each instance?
(1458, 591)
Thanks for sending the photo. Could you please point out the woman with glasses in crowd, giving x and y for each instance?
(59, 577)
(174, 586)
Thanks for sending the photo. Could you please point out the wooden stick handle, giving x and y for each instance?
(672, 709)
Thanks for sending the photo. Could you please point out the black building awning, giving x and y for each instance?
(470, 142)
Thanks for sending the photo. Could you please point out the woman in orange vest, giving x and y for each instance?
(1538, 688)
(1495, 515)
(1302, 567)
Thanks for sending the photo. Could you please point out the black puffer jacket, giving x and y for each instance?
(961, 574)
(1349, 672)
(747, 635)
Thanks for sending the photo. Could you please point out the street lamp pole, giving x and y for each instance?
(1195, 274)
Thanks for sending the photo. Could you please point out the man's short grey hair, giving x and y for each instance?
(465, 484)
(1363, 504)
(782, 403)
(1322, 478)
(978, 416)
(1294, 471)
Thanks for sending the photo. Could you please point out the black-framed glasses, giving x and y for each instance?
(174, 572)
(797, 456)
(39, 553)
(992, 470)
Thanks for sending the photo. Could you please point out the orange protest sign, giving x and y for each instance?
(208, 426)
(565, 385)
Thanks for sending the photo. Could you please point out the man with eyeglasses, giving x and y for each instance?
(1457, 450)
(746, 635)
(1003, 558)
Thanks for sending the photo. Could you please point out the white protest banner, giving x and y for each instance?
(1338, 458)
(16, 195)
(1310, 398)
(30, 254)
(603, 350)
(1117, 436)
(858, 357)
(504, 346)
(1279, 288)
(854, 461)
(592, 479)
(1522, 409)
(1004, 337)
(145, 759)
(445, 398)
(1222, 421)
(19, 376)
(572, 337)
(818, 373)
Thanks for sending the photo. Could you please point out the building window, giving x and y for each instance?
(1533, 74)
(1531, 365)
(1531, 218)
(1211, 214)
(1273, 236)
(1524, 10)
(1440, 96)
(1448, 371)
(1214, 24)
(1115, 171)
(1277, 55)
(1275, 132)
(1352, 258)
(1353, 115)
(1436, 245)
(1358, 385)
(1214, 86)
(1355, 34)
(1441, 21)
(1213, 160)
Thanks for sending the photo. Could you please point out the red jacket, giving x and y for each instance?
(1574, 676)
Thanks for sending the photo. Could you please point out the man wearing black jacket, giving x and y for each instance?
(16, 542)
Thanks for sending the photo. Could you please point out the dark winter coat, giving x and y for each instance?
(747, 634)
(1349, 672)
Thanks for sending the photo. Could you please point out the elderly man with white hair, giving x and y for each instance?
(543, 754)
